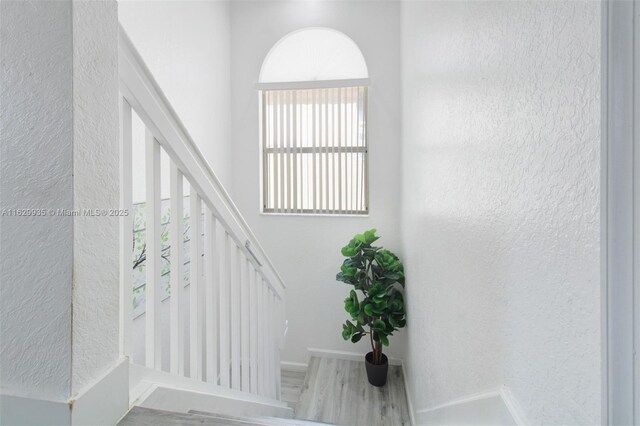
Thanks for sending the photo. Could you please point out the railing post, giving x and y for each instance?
(126, 229)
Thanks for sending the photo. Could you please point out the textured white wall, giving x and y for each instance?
(96, 185)
(306, 250)
(185, 44)
(36, 172)
(59, 151)
(500, 203)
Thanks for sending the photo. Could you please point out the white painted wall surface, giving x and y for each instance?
(59, 273)
(96, 186)
(500, 203)
(36, 256)
(186, 45)
(305, 249)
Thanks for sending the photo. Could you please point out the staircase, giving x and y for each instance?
(330, 391)
(218, 344)
(139, 416)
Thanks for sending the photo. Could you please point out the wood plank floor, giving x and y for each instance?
(291, 387)
(337, 391)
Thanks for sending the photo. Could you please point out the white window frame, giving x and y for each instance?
(301, 85)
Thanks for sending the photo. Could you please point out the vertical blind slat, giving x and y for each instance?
(359, 110)
(313, 144)
(340, 130)
(336, 142)
(294, 119)
(280, 155)
(286, 138)
(323, 156)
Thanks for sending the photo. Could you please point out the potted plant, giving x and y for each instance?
(378, 310)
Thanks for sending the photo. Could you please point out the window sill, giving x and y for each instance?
(343, 215)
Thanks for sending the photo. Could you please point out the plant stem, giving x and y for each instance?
(373, 348)
(378, 353)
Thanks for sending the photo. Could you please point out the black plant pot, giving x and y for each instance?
(377, 374)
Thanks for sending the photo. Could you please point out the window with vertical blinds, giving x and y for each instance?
(314, 150)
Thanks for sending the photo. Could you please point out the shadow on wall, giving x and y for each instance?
(456, 312)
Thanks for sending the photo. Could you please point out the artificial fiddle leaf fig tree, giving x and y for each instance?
(375, 303)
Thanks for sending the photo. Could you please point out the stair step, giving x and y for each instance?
(141, 416)
(261, 421)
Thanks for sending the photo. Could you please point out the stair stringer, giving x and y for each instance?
(164, 391)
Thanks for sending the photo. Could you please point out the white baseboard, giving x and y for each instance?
(513, 407)
(102, 403)
(294, 366)
(105, 401)
(350, 356)
(412, 413)
(27, 411)
(490, 408)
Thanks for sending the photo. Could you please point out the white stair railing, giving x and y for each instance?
(236, 298)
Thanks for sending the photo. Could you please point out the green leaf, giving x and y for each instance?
(347, 330)
(346, 334)
(356, 337)
(368, 309)
(393, 322)
(370, 236)
(384, 340)
(379, 325)
(348, 271)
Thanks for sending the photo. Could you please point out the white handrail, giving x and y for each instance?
(144, 94)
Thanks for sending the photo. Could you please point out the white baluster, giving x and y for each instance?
(253, 328)
(279, 340)
(126, 229)
(223, 271)
(267, 335)
(244, 320)
(272, 345)
(211, 291)
(153, 354)
(176, 239)
(234, 261)
(263, 351)
(195, 273)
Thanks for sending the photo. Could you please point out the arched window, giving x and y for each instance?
(313, 113)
